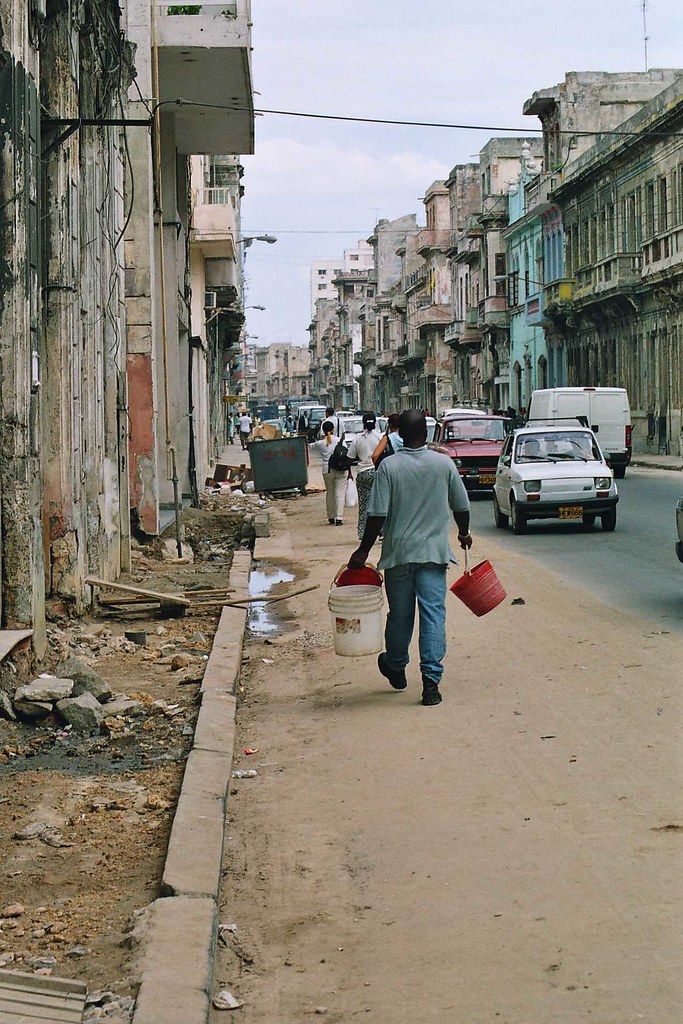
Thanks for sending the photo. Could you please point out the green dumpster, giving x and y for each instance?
(280, 464)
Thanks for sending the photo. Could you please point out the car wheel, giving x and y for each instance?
(499, 518)
(619, 472)
(609, 520)
(517, 518)
(588, 520)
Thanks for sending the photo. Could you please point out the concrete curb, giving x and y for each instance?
(652, 463)
(177, 973)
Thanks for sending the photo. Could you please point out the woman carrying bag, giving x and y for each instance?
(361, 449)
(334, 479)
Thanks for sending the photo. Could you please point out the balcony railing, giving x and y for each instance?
(494, 207)
(493, 311)
(560, 290)
(229, 8)
(214, 196)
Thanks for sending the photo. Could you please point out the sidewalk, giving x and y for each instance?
(511, 854)
(674, 462)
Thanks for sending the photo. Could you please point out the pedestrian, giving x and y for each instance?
(390, 442)
(231, 430)
(412, 500)
(302, 425)
(334, 479)
(362, 448)
(245, 425)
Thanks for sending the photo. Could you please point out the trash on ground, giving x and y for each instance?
(245, 773)
(227, 1001)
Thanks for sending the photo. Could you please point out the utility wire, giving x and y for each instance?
(423, 124)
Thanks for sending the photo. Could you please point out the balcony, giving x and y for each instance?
(620, 271)
(493, 311)
(418, 279)
(558, 291)
(414, 351)
(432, 316)
(385, 358)
(364, 356)
(494, 209)
(429, 239)
(213, 224)
(206, 57)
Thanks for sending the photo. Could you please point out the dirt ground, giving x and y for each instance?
(71, 896)
(513, 855)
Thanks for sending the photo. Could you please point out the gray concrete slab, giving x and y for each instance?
(177, 975)
(215, 730)
(195, 848)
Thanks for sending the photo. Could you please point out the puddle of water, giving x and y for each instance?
(261, 621)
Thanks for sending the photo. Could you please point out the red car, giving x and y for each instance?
(474, 443)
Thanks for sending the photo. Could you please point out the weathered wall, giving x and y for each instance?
(22, 587)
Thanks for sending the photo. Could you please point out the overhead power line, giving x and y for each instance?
(423, 124)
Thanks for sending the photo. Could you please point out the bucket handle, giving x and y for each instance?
(342, 568)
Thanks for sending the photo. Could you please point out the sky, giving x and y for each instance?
(320, 186)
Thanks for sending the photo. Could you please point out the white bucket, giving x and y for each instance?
(356, 620)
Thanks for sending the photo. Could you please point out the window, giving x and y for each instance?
(370, 292)
(649, 224)
(322, 287)
(513, 288)
(500, 273)
(322, 273)
(662, 209)
(354, 257)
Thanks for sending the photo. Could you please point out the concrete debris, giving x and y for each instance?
(45, 688)
(6, 707)
(227, 1001)
(84, 713)
(85, 679)
(77, 952)
(32, 708)
(121, 704)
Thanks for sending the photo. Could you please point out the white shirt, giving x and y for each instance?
(362, 447)
(324, 449)
(245, 424)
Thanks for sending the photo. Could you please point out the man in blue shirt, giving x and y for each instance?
(412, 500)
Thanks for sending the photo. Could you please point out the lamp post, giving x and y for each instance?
(248, 239)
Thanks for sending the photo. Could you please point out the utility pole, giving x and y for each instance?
(645, 36)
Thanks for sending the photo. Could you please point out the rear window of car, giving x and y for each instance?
(477, 428)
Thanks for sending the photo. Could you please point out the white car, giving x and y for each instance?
(553, 473)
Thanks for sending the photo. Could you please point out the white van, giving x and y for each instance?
(605, 410)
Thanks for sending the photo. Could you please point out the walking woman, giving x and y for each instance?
(361, 448)
(335, 479)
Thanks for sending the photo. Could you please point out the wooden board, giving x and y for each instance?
(126, 589)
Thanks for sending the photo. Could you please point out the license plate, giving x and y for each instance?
(487, 478)
(571, 511)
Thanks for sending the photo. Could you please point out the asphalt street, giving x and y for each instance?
(634, 569)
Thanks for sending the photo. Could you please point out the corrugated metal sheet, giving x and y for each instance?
(33, 999)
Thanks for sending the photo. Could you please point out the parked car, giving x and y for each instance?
(679, 529)
(553, 473)
(605, 410)
(474, 442)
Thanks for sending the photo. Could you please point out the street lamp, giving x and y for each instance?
(246, 242)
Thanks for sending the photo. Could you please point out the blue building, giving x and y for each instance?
(526, 273)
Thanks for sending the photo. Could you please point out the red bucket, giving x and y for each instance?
(480, 589)
(365, 577)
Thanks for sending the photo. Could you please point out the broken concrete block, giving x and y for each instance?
(84, 713)
(44, 688)
(85, 679)
(6, 709)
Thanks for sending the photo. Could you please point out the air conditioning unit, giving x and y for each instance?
(210, 300)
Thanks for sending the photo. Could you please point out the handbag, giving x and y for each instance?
(351, 498)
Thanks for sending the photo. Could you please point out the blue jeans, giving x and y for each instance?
(424, 582)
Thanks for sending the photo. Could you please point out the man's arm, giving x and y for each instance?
(463, 522)
(373, 528)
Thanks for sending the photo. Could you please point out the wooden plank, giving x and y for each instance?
(9, 638)
(238, 602)
(125, 588)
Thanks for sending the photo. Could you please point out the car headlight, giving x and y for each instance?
(530, 486)
(603, 483)
(458, 462)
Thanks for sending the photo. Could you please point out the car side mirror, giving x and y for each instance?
(505, 460)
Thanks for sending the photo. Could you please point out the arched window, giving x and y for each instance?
(517, 385)
(542, 372)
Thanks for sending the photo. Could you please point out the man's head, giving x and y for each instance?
(329, 411)
(412, 428)
(393, 421)
(369, 420)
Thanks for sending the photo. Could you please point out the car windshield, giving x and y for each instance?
(479, 428)
(571, 445)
